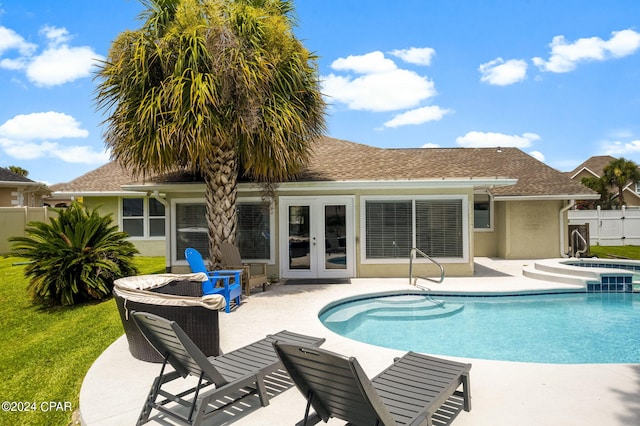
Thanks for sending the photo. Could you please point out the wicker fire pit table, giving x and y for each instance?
(177, 297)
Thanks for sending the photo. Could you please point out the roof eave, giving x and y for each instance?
(338, 185)
(70, 194)
(543, 197)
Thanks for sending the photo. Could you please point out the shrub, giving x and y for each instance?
(74, 257)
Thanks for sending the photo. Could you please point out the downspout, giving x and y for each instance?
(167, 230)
(562, 212)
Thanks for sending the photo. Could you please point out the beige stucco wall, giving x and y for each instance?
(522, 229)
(111, 205)
(485, 243)
(529, 229)
(6, 199)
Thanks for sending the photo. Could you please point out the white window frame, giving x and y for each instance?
(413, 199)
(174, 244)
(146, 218)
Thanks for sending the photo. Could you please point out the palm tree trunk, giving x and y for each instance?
(221, 180)
(621, 201)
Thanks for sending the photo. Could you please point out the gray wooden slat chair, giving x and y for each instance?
(233, 375)
(231, 260)
(408, 392)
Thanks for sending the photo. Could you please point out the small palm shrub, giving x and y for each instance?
(74, 257)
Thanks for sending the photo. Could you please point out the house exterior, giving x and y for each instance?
(594, 167)
(19, 191)
(357, 210)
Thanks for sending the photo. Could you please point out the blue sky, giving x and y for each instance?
(558, 79)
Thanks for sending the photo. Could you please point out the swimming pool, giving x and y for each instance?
(574, 328)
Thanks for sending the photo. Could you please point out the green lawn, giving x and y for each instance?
(631, 252)
(45, 353)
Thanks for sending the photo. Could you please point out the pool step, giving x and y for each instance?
(592, 278)
(564, 277)
(394, 307)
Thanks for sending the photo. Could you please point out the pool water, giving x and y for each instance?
(574, 328)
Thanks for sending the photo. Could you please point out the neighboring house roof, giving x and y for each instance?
(105, 179)
(594, 165)
(338, 160)
(7, 177)
(11, 179)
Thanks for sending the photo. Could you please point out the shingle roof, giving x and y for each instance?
(595, 164)
(7, 175)
(340, 160)
(107, 178)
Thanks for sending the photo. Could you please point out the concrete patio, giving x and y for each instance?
(503, 393)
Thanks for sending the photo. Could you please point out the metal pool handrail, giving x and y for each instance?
(416, 250)
(576, 237)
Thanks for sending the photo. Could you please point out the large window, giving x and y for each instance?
(191, 229)
(389, 229)
(253, 232)
(143, 217)
(439, 227)
(393, 227)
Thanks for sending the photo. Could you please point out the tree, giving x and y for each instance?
(19, 170)
(600, 185)
(620, 173)
(217, 87)
(74, 257)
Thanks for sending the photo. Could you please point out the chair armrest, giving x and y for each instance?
(209, 285)
(262, 267)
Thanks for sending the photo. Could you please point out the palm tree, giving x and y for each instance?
(19, 171)
(74, 257)
(222, 88)
(620, 173)
(601, 185)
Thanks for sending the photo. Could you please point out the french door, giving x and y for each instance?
(317, 237)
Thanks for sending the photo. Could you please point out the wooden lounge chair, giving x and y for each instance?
(230, 291)
(250, 279)
(232, 375)
(409, 392)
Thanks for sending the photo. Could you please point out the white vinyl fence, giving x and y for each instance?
(609, 227)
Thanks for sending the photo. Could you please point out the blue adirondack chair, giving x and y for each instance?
(230, 291)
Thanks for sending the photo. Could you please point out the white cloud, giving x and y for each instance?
(381, 85)
(537, 155)
(430, 145)
(80, 154)
(415, 55)
(42, 125)
(59, 63)
(619, 149)
(26, 150)
(566, 56)
(418, 116)
(476, 139)
(28, 137)
(370, 63)
(503, 73)
(55, 35)
(10, 40)
(15, 64)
